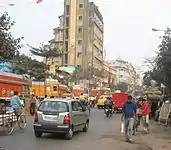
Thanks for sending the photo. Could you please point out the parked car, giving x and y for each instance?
(60, 116)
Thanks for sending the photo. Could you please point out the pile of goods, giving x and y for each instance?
(154, 93)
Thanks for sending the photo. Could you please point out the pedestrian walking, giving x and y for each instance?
(139, 111)
(146, 109)
(128, 116)
(33, 105)
(21, 100)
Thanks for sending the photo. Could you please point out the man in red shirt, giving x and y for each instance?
(146, 109)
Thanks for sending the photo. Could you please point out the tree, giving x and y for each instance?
(112, 86)
(77, 75)
(9, 46)
(92, 74)
(150, 62)
(154, 74)
(46, 51)
(123, 87)
(23, 64)
(161, 71)
(164, 59)
(62, 76)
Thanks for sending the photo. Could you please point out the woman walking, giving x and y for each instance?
(146, 109)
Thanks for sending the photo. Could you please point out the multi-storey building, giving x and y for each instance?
(110, 73)
(125, 72)
(79, 35)
(96, 31)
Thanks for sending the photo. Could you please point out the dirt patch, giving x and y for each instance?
(144, 147)
(113, 137)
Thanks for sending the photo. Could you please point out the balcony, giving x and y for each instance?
(100, 58)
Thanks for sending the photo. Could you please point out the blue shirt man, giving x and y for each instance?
(15, 101)
(129, 109)
(129, 112)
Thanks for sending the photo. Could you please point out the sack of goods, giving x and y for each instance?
(122, 127)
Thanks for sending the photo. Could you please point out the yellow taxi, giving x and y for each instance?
(100, 101)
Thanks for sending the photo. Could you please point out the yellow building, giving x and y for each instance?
(79, 35)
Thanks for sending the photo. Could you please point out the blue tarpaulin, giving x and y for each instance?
(6, 67)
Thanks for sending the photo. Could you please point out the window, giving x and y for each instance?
(66, 34)
(55, 88)
(80, 17)
(79, 42)
(67, 22)
(80, 5)
(53, 106)
(79, 54)
(67, 9)
(76, 106)
(80, 30)
(120, 76)
(66, 58)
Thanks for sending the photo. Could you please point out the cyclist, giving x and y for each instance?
(16, 104)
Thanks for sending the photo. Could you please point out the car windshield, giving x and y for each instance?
(53, 106)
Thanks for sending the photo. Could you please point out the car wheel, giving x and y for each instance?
(38, 134)
(85, 129)
(69, 134)
(98, 107)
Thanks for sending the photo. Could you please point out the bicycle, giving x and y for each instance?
(9, 118)
(21, 118)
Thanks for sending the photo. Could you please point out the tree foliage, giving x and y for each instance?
(122, 86)
(46, 51)
(77, 74)
(9, 46)
(93, 75)
(23, 64)
(112, 86)
(161, 71)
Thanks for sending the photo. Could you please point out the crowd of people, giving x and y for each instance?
(136, 111)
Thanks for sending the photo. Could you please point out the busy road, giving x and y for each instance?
(104, 133)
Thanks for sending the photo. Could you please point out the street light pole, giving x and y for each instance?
(156, 30)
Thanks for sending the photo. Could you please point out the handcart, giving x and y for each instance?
(8, 118)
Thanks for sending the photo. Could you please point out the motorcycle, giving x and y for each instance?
(91, 104)
(108, 112)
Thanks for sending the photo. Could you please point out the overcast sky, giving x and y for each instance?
(128, 24)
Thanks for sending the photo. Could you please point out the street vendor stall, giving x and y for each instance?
(165, 113)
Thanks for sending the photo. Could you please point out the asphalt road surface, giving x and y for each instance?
(103, 134)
